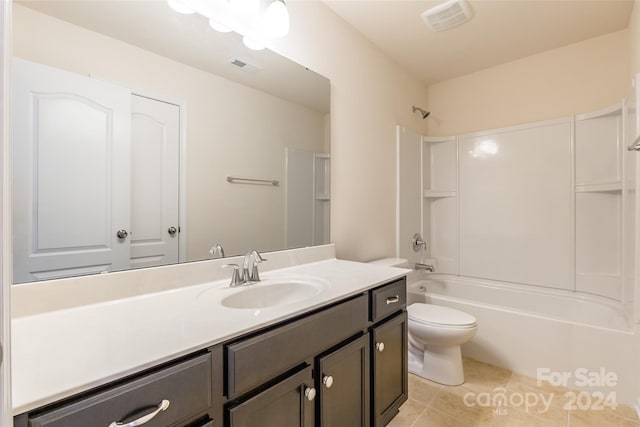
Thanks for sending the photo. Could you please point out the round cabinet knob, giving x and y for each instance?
(122, 234)
(172, 230)
(380, 346)
(310, 393)
(327, 380)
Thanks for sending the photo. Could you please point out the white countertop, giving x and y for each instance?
(59, 353)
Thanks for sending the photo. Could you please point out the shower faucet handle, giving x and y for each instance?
(417, 242)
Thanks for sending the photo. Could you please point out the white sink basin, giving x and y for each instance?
(272, 293)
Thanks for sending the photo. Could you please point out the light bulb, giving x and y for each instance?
(276, 19)
(180, 7)
(244, 7)
(218, 26)
(252, 43)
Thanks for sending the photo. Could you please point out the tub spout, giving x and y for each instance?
(426, 267)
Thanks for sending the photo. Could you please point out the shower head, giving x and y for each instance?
(424, 113)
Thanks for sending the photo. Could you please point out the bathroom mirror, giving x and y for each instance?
(143, 137)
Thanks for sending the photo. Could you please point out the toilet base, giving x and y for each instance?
(439, 364)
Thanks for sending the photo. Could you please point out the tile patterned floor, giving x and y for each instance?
(434, 405)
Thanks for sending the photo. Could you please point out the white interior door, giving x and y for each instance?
(155, 145)
(71, 173)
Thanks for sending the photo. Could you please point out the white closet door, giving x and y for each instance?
(155, 145)
(71, 173)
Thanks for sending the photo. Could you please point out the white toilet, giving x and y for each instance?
(435, 336)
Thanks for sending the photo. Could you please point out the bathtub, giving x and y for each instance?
(538, 331)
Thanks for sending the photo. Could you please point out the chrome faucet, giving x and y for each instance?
(246, 277)
(426, 267)
(217, 249)
(235, 276)
(253, 276)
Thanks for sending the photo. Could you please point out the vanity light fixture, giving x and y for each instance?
(276, 19)
(256, 20)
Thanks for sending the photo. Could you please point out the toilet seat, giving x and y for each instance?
(437, 315)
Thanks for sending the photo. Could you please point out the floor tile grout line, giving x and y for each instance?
(418, 417)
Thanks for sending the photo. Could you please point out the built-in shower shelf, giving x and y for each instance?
(323, 197)
(438, 193)
(599, 188)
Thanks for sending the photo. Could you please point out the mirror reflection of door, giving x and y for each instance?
(155, 151)
(74, 211)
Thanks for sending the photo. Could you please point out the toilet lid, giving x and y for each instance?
(439, 315)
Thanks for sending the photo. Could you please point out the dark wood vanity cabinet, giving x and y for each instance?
(343, 381)
(390, 368)
(344, 365)
(357, 353)
(179, 395)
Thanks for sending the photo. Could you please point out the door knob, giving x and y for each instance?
(310, 393)
(327, 380)
(122, 234)
(380, 346)
(172, 230)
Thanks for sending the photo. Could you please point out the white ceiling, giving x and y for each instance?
(500, 31)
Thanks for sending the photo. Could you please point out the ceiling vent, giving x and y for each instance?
(245, 66)
(447, 15)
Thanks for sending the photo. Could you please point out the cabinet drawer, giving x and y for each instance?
(253, 361)
(388, 299)
(187, 387)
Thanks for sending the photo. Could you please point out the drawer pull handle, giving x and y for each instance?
(380, 346)
(310, 393)
(143, 420)
(393, 300)
(327, 380)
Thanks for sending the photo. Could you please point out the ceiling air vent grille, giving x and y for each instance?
(447, 15)
(244, 66)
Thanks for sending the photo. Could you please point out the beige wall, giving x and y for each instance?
(634, 37)
(231, 130)
(577, 78)
(370, 95)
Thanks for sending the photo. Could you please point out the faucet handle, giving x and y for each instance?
(217, 249)
(235, 276)
(255, 276)
(418, 243)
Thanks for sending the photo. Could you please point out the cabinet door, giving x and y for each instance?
(390, 368)
(288, 403)
(344, 385)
